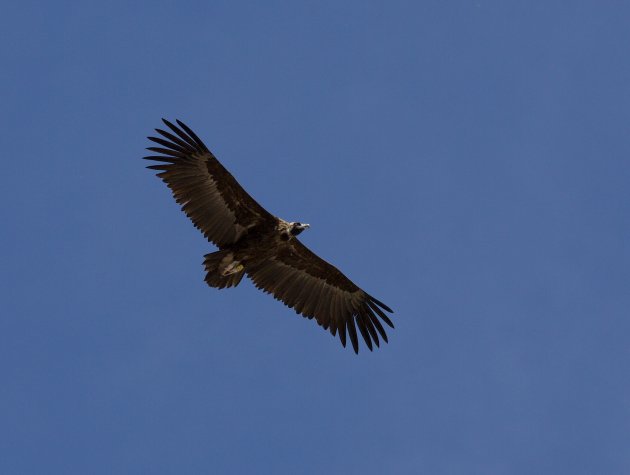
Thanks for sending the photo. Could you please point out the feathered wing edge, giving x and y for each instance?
(184, 144)
(367, 322)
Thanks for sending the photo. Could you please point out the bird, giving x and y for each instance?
(253, 242)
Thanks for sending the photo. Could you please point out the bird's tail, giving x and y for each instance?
(222, 270)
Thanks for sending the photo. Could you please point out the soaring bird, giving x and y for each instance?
(255, 243)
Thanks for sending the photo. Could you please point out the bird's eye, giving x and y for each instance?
(298, 224)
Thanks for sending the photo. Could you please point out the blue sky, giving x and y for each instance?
(466, 162)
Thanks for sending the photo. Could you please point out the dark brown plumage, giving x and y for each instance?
(252, 241)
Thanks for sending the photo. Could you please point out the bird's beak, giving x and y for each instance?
(306, 226)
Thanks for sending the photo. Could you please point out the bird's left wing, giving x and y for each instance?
(211, 197)
(317, 289)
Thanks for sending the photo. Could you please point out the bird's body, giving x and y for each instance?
(254, 247)
(253, 242)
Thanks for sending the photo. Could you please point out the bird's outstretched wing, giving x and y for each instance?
(317, 289)
(211, 197)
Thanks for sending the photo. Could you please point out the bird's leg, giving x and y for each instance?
(232, 268)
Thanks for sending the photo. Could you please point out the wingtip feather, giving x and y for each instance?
(380, 304)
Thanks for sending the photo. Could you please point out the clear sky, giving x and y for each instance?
(466, 162)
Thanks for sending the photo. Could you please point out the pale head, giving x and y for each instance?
(296, 228)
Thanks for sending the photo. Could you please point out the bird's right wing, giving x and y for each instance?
(316, 289)
(211, 197)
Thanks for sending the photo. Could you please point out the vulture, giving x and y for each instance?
(253, 242)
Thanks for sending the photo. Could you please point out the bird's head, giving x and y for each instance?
(297, 228)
